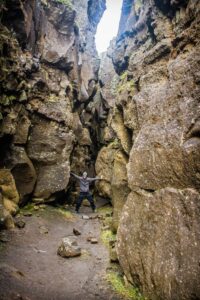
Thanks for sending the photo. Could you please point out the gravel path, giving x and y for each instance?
(31, 269)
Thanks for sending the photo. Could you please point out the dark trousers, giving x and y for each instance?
(83, 196)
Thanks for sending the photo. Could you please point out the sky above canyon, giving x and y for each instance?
(108, 26)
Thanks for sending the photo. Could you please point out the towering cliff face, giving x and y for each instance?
(154, 114)
(49, 71)
(144, 113)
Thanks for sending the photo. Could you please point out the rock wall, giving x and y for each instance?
(49, 71)
(154, 113)
(9, 199)
(59, 106)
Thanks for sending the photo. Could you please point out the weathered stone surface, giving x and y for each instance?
(6, 220)
(119, 186)
(9, 192)
(166, 152)
(104, 169)
(49, 67)
(23, 172)
(69, 248)
(50, 147)
(22, 129)
(9, 199)
(158, 242)
(117, 124)
(108, 79)
(156, 55)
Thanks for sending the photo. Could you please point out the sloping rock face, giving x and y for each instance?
(155, 119)
(9, 199)
(49, 70)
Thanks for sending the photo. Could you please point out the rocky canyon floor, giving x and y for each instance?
(31, 269)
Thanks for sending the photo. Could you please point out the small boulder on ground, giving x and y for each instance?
(113, 254)
(4, 237)
(36, 207)
(94, 241)
(27, 214)
(20, 224)
(44, 229)
(85, 217)
(69, 248)
(76, 231)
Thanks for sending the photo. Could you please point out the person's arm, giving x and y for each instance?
(93, 179)
(76, 176)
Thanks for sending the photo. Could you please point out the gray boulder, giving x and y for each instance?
(69, 248)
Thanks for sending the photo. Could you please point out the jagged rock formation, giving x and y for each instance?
(49, 72)
(155, 120)
(143, 113)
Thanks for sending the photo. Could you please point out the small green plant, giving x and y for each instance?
(117, 282)
(125, 84)
(28, 208)
(107, 236)
(124, 76)
(65, 213)
(7, 100)
(105, 210)
(67, 3)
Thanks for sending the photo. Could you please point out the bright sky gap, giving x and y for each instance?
(109, 24)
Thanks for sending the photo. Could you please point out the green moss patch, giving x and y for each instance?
(117, 283)
(126, 84)
(28, 208)
(65, 213)
(105, 210)
(107, 236)
(106, 213)
(67, 3)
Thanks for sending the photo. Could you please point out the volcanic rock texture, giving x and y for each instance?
(139, 109)
(49, 71)
(154, 124)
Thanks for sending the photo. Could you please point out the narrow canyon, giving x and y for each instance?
(130, 116)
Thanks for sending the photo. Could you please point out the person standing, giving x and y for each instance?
(84, 183)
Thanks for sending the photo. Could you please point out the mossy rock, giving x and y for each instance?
(67, 3)
(126, 84)
(127, 292)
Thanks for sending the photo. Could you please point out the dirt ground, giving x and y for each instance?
(30, 268)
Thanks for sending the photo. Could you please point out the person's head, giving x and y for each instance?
(84, 175)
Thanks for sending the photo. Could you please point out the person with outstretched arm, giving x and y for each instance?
(84, 182)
